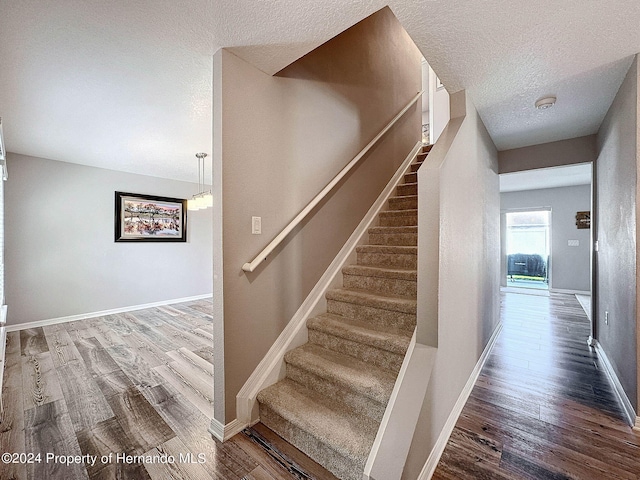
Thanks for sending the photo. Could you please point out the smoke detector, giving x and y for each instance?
(546, 102)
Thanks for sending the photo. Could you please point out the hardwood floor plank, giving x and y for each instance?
(201, 396)
(33, 341)
(96, 358)
(183, 355)
(113, 383)
(107, 438)
(187, 466)
(258, 473)
(148, 351)
(12, 437)
(134, 365)
(61, 346)
(48, 430)
(139, 420)
(206, 353)
(40, 382)
(85, 402)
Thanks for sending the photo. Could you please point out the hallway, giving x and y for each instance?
(543, 407)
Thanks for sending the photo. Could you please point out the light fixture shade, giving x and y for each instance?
(201, 202)
(208, 198)
(192, 204)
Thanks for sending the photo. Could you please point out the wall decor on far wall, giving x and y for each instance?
(583, 219)
(149, 218)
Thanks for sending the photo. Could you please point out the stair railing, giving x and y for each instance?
(262, 256)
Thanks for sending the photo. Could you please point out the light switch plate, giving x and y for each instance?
(256, 225)
(573, 243)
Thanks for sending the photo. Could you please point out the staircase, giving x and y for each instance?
(337, 385)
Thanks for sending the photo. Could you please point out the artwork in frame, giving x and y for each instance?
(149, 218)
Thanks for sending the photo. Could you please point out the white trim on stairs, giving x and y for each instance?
(225, 432)
(271, 368)
(622, 396)
(393, 440)
(443, 438)
(83, 316)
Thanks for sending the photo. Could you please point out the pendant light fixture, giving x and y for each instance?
(202, 199)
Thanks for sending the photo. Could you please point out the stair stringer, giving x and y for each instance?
(272, 367)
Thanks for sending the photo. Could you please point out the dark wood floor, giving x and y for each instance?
(542, 407)
(138, 383)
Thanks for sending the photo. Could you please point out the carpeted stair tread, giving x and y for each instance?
(344, 371)
(382, 272)
(385, 338)
(342, 429)
(384, 302)
(400, 229)
(396, 249)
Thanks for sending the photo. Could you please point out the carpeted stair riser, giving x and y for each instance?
(387, 256)
(389, 340)
(399, 236)
(382, 285)
(409, 202)
(410, 177)
(375, 356)
(337, 393)
(342, 467)
(336, 437)
(407, 189)
(398, 218)
(373, 315)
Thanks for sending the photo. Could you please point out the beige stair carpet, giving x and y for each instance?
(337, 386)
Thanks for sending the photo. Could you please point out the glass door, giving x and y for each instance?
(528, 248)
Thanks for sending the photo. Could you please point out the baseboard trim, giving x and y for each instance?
(443, 438)
(84, 316)
(225, 432)
(617, 386)
(270, 369)
(570, 292)
(637, 425)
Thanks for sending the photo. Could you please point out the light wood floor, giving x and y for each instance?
(137, 383)
(543, 407)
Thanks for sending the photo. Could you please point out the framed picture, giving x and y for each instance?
(147, 218)
(583, 219)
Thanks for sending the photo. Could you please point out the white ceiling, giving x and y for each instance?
(565, 176)
(127, 85)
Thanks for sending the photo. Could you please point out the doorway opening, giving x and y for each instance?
(528, 242)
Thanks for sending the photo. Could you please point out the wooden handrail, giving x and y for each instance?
(262, 256)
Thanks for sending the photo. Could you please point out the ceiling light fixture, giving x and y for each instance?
(202, 199)
(546, 102)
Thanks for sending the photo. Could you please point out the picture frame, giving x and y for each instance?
(583, 219)
(149, 218)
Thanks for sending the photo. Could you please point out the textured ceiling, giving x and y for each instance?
(127, 85)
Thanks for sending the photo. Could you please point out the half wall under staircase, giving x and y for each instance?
(337, 386)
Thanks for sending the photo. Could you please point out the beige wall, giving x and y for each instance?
(284, 138)
(463, 168)
(553, 154)
(617, 208)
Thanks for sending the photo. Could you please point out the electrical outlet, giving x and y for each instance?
(256, 225)
(606, 318)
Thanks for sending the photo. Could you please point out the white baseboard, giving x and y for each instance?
(271, 368)
(84, 316)
(570, 292)
(622, 396)
(225, 432)
(443, 438)
(637, 424)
